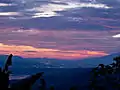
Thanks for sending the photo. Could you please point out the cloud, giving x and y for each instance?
(51, 53)
(64, 25)
(29, 51)
(62, 40)
(51, 9)
(116, 36)
(9, 13)
(64, 14)
(34, 9)
(5, 4)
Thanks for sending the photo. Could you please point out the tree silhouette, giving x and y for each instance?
(106, 77)
(42, 85)
(4, 73)
(24, 84)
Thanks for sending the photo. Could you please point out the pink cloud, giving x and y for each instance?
(51, 53)
(57, 43)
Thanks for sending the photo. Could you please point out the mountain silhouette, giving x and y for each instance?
(92, 62)
(58, 63)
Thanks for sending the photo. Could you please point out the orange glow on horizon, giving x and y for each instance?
(29, 51)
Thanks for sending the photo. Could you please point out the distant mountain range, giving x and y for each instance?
(92, 62)
(57, 63)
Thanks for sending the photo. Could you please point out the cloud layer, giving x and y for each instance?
(59, 28)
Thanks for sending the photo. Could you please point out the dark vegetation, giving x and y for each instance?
(106, 77)
(102, 77)
(24, 84)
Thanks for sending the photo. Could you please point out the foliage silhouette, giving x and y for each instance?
(24, 84)
(106, 77)
(4, 74)
(42, 84)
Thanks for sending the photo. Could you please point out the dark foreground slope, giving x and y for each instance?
(61, 79)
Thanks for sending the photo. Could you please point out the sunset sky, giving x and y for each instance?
(63, 29)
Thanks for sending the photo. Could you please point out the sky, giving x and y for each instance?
(62, 29)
